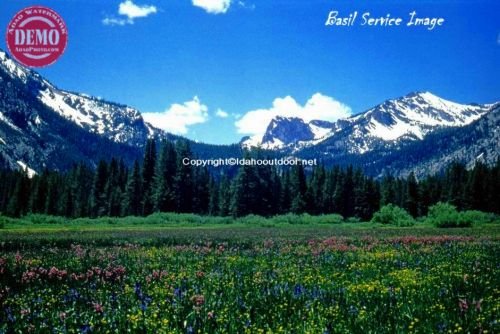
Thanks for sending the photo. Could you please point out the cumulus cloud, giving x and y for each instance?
(129, 11)
(133, 11)
(179, 117)
(221, 113)
(318, 107)
(213, 6)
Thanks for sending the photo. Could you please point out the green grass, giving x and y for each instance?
(44, 223)
(171, 229)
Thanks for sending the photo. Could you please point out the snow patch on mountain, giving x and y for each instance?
(30, 172)
(319, 132)
(8, 122)
(393, 131)
(120, 123)
(12, 68)
(55, 100)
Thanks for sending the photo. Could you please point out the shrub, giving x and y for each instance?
(393, 215)
(446, 215)
(174, 218)
(306, 219)
(354, 220)
(478, 217)
(252, 220)
(333, 218)
(221, 220)
(289, 218)
(45, 219)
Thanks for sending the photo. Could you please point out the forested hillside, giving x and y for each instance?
(161, 182)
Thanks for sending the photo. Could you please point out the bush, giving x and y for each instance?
(289, 218)
(221, 220)
(393, 215)
(252, 220)
(333, 218)
(446, 215)
(478, 217)
(353, 220)
(45, 219)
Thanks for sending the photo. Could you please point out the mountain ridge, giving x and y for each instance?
(43, 126)
(408, 117)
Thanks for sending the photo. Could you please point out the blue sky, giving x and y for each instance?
(216, 70)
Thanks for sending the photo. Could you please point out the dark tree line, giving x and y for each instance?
(162, 182)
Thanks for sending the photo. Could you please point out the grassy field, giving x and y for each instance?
(200, 275)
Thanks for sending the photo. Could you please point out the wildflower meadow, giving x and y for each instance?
(250, 281)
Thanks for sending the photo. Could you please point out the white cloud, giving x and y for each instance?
(318, 107)
(179, 117)
(213, 6)
(245, 5)
(221, 113)
(131, 11)
(113, 21)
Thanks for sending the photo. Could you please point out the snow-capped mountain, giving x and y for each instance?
(119, 123)
(286, 131)
(410, 117)
(476, 142)
(42, 126)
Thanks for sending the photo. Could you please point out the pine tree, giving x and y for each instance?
(201, 191)
(183, 180)
(19, 202)
(131, 203)
(315, 191)
(98, 205)
(329, 190)
(493, 186)
(285, 196)
(348, 187)
(476, 188)
(213, 205)
(264, 205)
(82, 190)
(163, 181)
(298, 189)
(456, 180)
(67, 204)
(430, 193)
(53, 195)
(244, 200)
(367, 199)
(39, 193)
(113, 191)
(276, 190)
(224, 197)
(148, 172)
(388, 191)
(412, 195)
